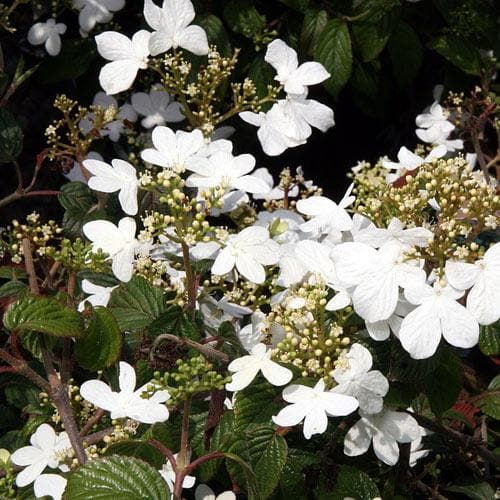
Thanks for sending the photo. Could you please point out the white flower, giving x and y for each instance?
(386, 429)
(381, 330)
(253, 333)
(438, 314)
(483, 279)
(127, 58)
(355, 378)
(174, 150)
(395, 233)
(48, 33)
(119, 176)
(377, 276)
(128, 402)
(435, 128)
(272, 193)
(226, 171)
(75, 174)
(50, 485)
(118, 241)
(313, 405)
(158, 107)
(114, 129)
(99, 295)
(249, 250)
(246, 368)
(168, 474)
(45, 450)
(96, 11)
(274, 127)
(204, 492)
(326, 215)
(293, 77)
(171, 25)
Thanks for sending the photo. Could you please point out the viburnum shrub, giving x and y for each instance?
(192, 321)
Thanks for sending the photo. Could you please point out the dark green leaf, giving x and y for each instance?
(406, 52)
(12, 273)
(176, 322)
(444, 384)
(73, 61)
(292, 483)
(216, 33)
(298, 5)
(34, 342)
(21, 395)
(314, 22)
(478, 491)
(489, 339)
(136, 304)
(137, 449)
(101, 343)
(116, 477)
(269, 467)
(262, 74)
(76, 196)
(490, 404)
(43, 315)
(242, 17)
(458, 52)
(11, 137)
(334, 51)
(12, 289)
(352, 483)
(252, 492)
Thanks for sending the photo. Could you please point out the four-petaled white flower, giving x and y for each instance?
(117, 241)
(377, 276)
(119, 176)
(438, 314)
(48, 33)
(99, 295)
(96, 11)
(128, 402)
(313, 405)
(174, 150)
(204, 492)
(168, 474)
(226, 171)
(127, 57)
(293, 77)
(172, 29)
(158, 107)
(49, 485)
(45, 451)
(483, 279)
(386, 429)
(356, 378)
(246, 368)
(249, 250)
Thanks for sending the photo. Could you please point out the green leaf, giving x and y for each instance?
(12, 289)
(458, 52)
(176, 322)
(12, 273)
(242, 17)
(11, 137)
(115, 477)
(269, 467)
(73, 61)
(43, 315)
(262, 75)
(489, 339)
(136, 304)
(76, 196)
(490, 404)
(21, 395)
(101, 344)
(444, 384)
(298, 5)
(334, 51)
(74, 219)
(352, 483)
(314, 22)
(406, 52)
(216, 33)
(137, 449)
(372, 33)
(478, 491)
(252, 492)
(292, 483)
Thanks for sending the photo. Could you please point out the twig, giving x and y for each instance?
(92, 421)
(21, 366)
(30, 267)
(166, 452)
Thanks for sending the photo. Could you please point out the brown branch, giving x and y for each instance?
(30, 267)
(92, 421)
(21, 367)
(166, 452)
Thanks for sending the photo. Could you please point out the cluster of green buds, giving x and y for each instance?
(40, 236)
(7, 482)
(466, 203)
(193, 375)
(77, 255)
(310, 341)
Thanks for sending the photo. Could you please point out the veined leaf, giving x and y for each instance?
(489, 339)
(11, 137)
(43, 315)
